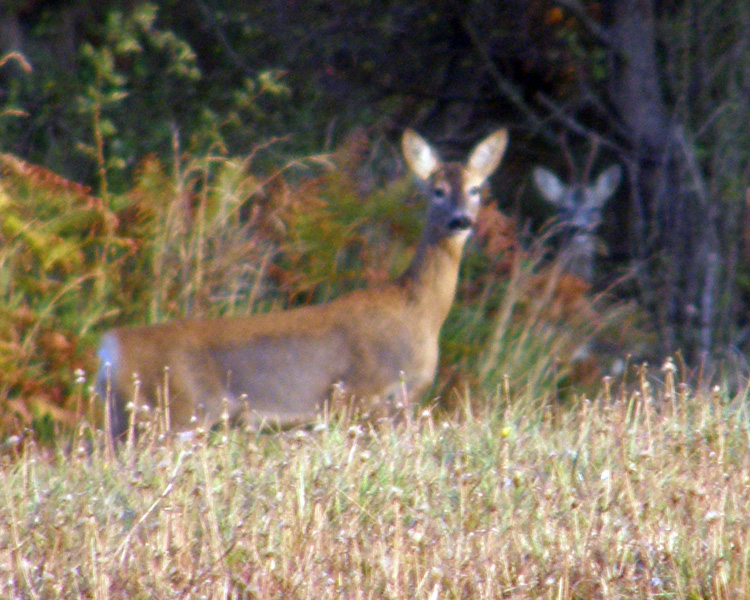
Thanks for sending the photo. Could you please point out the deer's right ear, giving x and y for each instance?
(419, 155)
(548, 184)
(607, 182)
(487, 155)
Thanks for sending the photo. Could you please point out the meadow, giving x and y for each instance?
(524, 475)
(633, 494)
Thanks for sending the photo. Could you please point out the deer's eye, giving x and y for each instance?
(474, 190)
(439, 194)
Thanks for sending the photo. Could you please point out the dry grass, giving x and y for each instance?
(633, 495)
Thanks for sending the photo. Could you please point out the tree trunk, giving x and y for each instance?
(673, 238)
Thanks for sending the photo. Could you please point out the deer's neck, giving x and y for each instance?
(431, 279)
(579, 256)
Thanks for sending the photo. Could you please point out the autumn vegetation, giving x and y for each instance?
(147, 175)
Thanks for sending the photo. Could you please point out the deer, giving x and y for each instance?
(579, 209)
(374, 348)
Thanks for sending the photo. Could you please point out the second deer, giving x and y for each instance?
(579, 209)
(280, 368)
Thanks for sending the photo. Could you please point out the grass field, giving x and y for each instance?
(643, 492)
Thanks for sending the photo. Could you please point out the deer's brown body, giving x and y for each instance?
(280, 368)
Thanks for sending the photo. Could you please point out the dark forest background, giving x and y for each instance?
(89, 90)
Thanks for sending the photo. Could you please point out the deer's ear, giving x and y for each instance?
(607, 183)
(419, 155)
(548, 184)
(487, 155)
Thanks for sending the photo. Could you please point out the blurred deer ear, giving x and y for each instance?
(419, 155)
(487, 155)
(548, 184)
(607, 183)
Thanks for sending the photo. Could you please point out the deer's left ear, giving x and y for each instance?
(487, 155)
(607, 182)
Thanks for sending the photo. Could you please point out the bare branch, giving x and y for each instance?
(579, 12)
(589, 164)
(223, 39)
(572, 124)
(506, 87)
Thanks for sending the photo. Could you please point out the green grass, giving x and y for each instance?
(637, 494)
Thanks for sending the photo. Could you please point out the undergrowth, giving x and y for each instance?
(217, 235)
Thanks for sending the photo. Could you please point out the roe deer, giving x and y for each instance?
(281, 368)
(579, 208)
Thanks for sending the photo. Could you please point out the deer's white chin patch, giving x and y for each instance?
(461, 235)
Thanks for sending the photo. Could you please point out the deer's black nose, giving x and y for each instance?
(460, 223)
